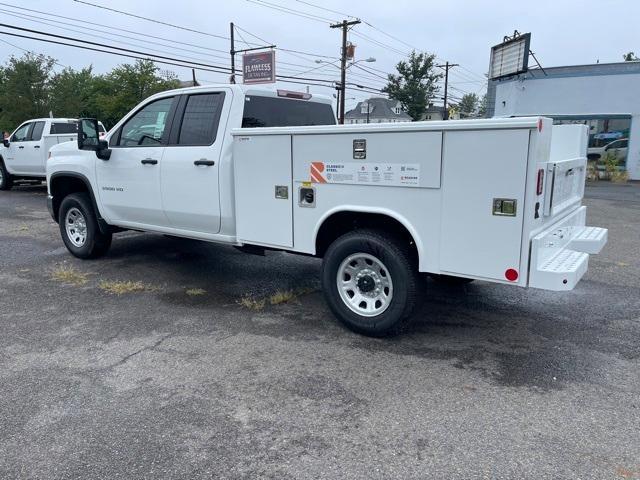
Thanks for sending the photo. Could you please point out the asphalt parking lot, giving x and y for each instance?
(167, 359)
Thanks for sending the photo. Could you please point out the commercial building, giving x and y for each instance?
(606, 97)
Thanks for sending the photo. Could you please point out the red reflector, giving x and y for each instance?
(540, 181)
(539, 124)
(511, 274)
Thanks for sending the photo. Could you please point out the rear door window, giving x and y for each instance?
(200, 120)
(63, 128)
(284, 112)
(36, 133)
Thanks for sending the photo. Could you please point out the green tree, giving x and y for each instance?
(482, 107)
(127, 85)
(468, 106)
(24, 89)
(630, 57)
(70, 92)
(415, 85)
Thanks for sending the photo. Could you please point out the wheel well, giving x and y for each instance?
(65, 185)
(342, 222)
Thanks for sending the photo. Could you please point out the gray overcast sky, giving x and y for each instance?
(564, 32)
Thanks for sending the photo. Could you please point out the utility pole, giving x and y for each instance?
(232, 79)
(446, 67)
(344, 25)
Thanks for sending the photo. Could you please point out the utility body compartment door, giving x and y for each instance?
(263, 189)
(481, 168)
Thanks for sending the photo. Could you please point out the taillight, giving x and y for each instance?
(49, 156)
(540, 183)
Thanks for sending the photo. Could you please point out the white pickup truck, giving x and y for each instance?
(496, 199)
(23, 156)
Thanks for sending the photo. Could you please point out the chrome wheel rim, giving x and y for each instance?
(76, 227)
(364, 284)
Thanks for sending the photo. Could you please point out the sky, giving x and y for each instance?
(563, 32)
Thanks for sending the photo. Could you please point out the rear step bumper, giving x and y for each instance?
(560, 254)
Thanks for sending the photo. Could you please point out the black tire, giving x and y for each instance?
(96, 243)
(396, 256)
(6, 180)
(450, 280)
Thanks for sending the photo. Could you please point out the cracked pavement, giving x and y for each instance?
(491, 381)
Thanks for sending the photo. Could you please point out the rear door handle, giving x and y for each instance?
(21, 146)
(206, 163)
(149, 161)
(36, 146)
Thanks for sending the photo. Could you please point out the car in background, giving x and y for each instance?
(23, 156)
(617, 147)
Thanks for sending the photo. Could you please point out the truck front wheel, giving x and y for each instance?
(79, 227)
(6, 181)
(370, 282)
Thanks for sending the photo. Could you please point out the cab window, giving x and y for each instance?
(146, 127)
(262, 111)
(36, 133)
(63, 128)
(200, 120)
(23, 133)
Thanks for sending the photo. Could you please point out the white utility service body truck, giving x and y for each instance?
(24, 154)
(492, 199)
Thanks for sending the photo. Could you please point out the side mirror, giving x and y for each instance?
(5, 142)
(89, 138)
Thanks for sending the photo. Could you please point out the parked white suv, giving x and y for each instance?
(24, 154)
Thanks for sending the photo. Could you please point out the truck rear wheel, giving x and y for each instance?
(79, 227)
(6, 181)
(370, 282)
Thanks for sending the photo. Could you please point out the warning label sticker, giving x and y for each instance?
(390, 174)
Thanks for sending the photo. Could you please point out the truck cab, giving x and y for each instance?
(23, 156)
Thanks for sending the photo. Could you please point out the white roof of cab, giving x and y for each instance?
(241, 90)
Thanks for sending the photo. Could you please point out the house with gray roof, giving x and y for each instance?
(380, 110)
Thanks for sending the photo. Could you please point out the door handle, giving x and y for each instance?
(206, 163)
(21, 147)
(149, 161)
(36, 146)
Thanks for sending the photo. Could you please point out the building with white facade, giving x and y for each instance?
(606, 97)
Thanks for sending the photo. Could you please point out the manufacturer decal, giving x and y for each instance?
(316, 169)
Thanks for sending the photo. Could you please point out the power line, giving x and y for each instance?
(111, 27)
(50, 24)
(137, 52)
(83, 47)
(29, 51)
(291, 11)
(380, 44)
(342, 14)
(160, 22)
(157, 58)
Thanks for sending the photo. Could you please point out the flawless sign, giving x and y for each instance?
(259, 67)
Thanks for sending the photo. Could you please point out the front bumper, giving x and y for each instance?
(50, 208)
(560, 254)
